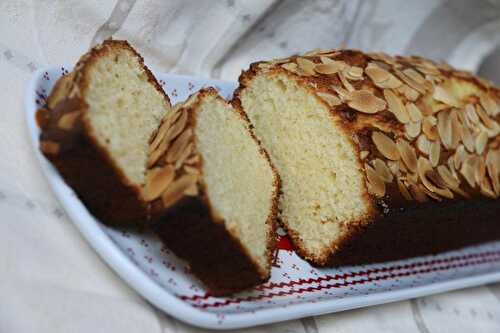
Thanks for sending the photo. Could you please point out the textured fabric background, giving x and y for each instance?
(52, 281)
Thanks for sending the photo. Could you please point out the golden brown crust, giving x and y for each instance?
(423, 132)
(68, 142)
(195, 232)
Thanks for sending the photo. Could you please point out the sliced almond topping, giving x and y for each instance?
(176, 190)
(192, 190)
(415, 76)
(430, 194)
(428, 69)
(486, 189)
(423, 144)
(381, 77)
(343, 94)
(385, 145)
(67, 121)
(435, 153)
(191, 169)
(330, 99)
(354, 73)
(448, 177)
(471, 114)
(345, 82)
(468, 169)
(408, 154)
(408, 92)
(156, 154)
(365, 101)
(441, 94)
(418, 193)
(459, 157)
(493, 167)
(412, 129)
(177, 126)
(490, 105)
(429, 128)
(412, 83)
(468, 139)
(382, 170)
(184, 155)
(375, 184)
(396, 106)
(484, 117)
(157, 181)
(394, 167)
(178, 146)
(479, 171)
(194, 159)
(456, 129)
(291, 67)
(444, 128)
(50, 147)
(414, 112)
(329, 66)
(427, 175)
(159, 137)
(481, 141)
(404, 191)
(306, 65)
(363, 154)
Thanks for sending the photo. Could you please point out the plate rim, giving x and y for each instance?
(109, 252)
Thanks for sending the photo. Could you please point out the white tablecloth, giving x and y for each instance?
(52, 281)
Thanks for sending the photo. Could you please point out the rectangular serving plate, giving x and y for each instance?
(295, 289)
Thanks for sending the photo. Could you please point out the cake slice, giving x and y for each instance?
(380, 157)
(219, 190)
(96, 129)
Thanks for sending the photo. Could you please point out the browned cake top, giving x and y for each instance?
(424, 130)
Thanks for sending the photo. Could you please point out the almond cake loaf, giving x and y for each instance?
(380, 157)
(96, 128)
(220, 191)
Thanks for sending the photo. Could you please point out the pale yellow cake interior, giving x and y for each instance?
(322, 181)
(125, 109)
(238, 178)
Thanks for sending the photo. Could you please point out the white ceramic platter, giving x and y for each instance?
(295, 290)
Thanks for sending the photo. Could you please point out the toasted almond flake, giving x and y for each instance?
(456, 129)
(382, 170)
(184, 155)
(441, 94)
(471, 114)
(412, 129)
(479, 171)
(330, 99)
(67, 120)
(448, 177)
(424, 173)
(178, 146)
(430, 194)
(375, 184)
(408, 92)
(493, 167)
(408, 154)
(363, 154)
(328, 60)
(159, 137)
(343, 94)
(177, 188)
(396, 106)
(306, 65)
(178, 126)
(412, 83)
(365, 101)
(423, 144)
(385, 145)
(486, 188)
(394, 167)
(157, 181)
(194, 159)
(412, 177)
(414, 112)
(444, 128)
(354, 73)
(481, 141)
(345, 82)
(429, 128)
(489, 104)
(418, 193)
(435, 153)
(468, 169)
(381, 77)
(468, 139)
(291, 67)
(50, 147)
(191, 169)
(403, 190)
(428, 69)
(329, 68)
(157, 153)
(414, 75)
(484, 117)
